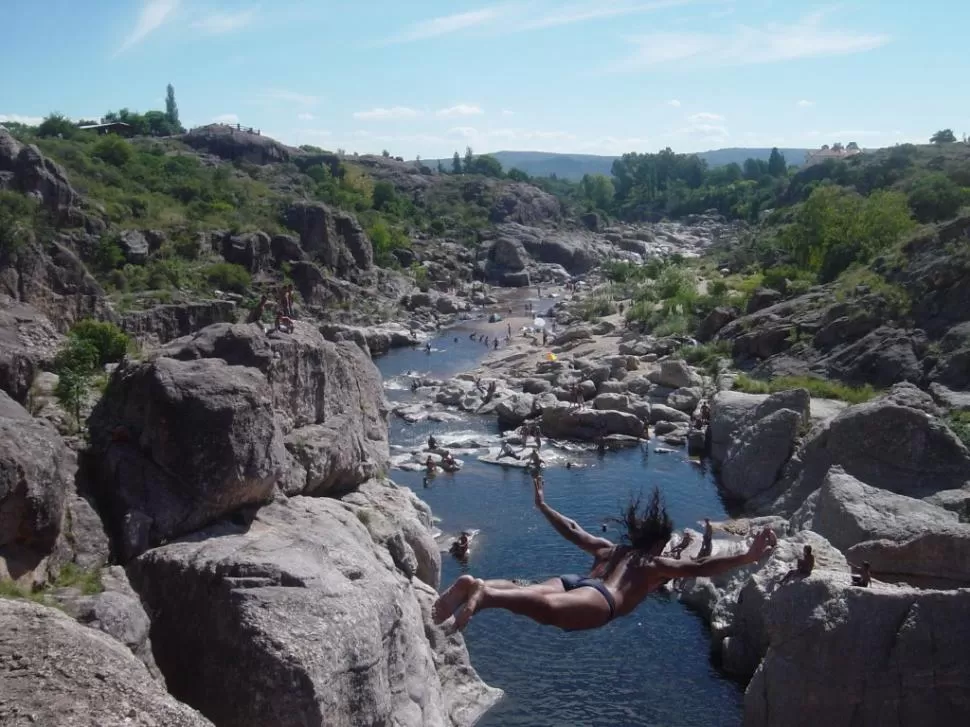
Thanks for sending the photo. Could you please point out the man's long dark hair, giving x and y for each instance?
(647, 527)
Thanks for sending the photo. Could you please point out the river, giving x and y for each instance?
(649, 668)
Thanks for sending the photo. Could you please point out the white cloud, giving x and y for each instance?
(226, 119)
(305, 117)
(704, 117)
(674, 102)
(283, 96)
(507, 112)
(461, 110)
(217, 23)
(805, 104)
(18, 119)
(746, 45)
(580, 12)
(436, 27)
(387, 114)
(154, 14)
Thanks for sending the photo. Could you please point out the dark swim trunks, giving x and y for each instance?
(571, 583)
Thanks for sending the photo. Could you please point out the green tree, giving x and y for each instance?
(55, 124)
(108, 341)
(386, 154)
(384, 195)
(486, 165)
(517, 175)
(113, 150)
(74, 364)
(776, 163)
(469, 160)
(172, 109)
(598, 189)
(943, 136)
(935, 197)
(456, 164)
(441, 167)
(20, 217)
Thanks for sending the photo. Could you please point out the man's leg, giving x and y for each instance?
(582, 608)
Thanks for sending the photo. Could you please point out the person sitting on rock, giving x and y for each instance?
(284, 323)
(459, 548)
(256, 314)
(707, 543)
(492, 388)
(685, 541)
(622, 576)
(863, 578)
(507, 451)
(495, 344)
(803, 566)
(578, 395)
(432, 442)
(448, 462)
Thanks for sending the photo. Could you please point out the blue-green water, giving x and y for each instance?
(649, 668)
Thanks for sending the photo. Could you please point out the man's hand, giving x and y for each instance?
(540, 496)
(763, 542)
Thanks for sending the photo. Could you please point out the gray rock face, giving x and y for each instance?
(508, 254)
(685, 399)
(882, 358)
(674, 374)
(515, 409)
(28, 342)
(525, 204)
(228, 142)
(88, 677)
(36, 475)
(199, 431)
(757, 456)
(615, 402)
(573, 334)
(848, 512)
(135, 246)
(572, 423)
(714, 322)
(940, 554)
(36, 175)
(732, 412)
(664, 413)
(165, 323)
(862, 656)
(761, 299)
(334, 238)
(251, 250)
(953, 368)
(265, 614)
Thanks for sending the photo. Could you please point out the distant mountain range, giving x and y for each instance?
(574, 166)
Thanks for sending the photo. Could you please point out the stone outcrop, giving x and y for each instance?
(304, 605)
(569, 422)
(674, 374)
(201, 430)
(165, 323)
(232, 144)
(54, 671)
(24, 169)
(28, 342)
(332, 237)
(525, 204)
(251, 250)
(376, 340)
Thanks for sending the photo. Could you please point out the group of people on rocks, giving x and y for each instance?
(285, 313)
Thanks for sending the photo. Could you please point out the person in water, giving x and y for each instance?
(448, 462)
(427, 346)
(432, 442)
(622, 575)
(459, 548)
(430, 465)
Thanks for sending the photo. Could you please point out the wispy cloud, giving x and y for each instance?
(446, 24)
(387, 114)
(219, 23)
(18, 119)
(462, 109)
(154, 14)
(704, 117)
(805, 104)
(674, 102)
(744, 45)
(305, 117)
(283, 96)
(580, 12)
(508, 112)
(226, 119)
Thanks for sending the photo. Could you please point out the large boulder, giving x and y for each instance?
(332, 237)
(882, 358)
(237, 144)
(515, 409)
(614, 402)
(569, 422)
(54, 671)
(135, 246)
(953, 367)
(674, 374)
(34, 174)
(251, 250)
(302, 618)
(715, 321)
(762, 298)
(28, 342)
(37, 471)
(525, 204)
(939, 556)
(756, 458)
(733, 412)
(164, 323)
(862, 656)
(572, 335)
(508, 254)
(883, 444)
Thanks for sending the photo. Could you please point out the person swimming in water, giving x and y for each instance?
(622, 575)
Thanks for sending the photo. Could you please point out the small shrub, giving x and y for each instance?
(818, 387)
(935, 197)
(229, 276)
(87, 581)
(596, 307)
(109, 341)
(113, 150)
(959, 422)
(108, 255)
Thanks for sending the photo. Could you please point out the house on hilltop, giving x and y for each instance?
(835, 152)
(112, 127)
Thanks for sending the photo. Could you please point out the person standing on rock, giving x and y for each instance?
(256, 315)
(509, 326)
(706, 541)
(622, 576)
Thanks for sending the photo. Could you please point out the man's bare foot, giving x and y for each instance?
(449, 601)
(472, 602)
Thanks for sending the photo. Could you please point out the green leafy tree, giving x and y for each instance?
(935, 197)
(74, 365)
(384, 195)
(598, 189)
(172, 109)
(517, 175)
(108, 341)
(113, 150)
(386, 154)
(943, 136)
(456, 164)
(441, 167)
(469, 160)
(56, 124)
(776, 163)
(486, 165)
(229, 276)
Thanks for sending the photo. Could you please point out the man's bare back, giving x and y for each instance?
(620, 579)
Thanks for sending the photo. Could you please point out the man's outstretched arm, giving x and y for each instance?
(568, 527)
(718, 564)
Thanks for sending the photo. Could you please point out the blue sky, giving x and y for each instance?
(426, 77)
